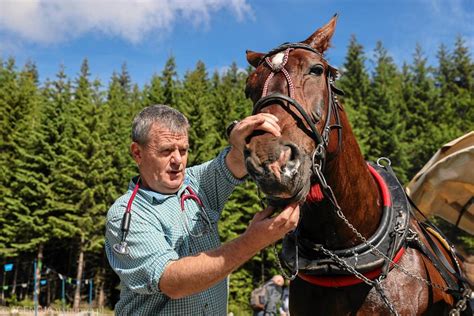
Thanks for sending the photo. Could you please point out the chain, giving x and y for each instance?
(347, 266)
(292, 276)
(381, 254)
(377, 284)
(461, 305)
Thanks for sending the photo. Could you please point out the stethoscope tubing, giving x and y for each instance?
(122, 247)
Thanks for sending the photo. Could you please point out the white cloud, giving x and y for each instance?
(51, 21)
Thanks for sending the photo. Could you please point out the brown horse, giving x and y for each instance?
(358, 249)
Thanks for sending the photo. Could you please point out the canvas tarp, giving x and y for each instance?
(445, 185)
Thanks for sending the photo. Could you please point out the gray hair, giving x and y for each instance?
(167, 117)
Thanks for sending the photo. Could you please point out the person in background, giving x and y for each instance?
(273, 296)
(170, 260)
(285, 301)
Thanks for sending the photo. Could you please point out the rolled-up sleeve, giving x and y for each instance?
(150, 252)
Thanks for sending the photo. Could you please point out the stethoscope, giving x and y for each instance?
(122, 247)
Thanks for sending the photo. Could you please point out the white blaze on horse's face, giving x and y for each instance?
(277, 60)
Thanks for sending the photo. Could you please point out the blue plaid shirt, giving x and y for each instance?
(158, 234)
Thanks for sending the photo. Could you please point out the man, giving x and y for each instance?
(273, 297)
(173, 263)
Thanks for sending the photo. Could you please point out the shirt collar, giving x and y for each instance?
(154, 197)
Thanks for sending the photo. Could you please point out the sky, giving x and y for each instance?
(145, 33)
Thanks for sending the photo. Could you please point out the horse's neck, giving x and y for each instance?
(356, 193)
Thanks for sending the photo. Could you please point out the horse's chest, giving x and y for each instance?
(407, 294)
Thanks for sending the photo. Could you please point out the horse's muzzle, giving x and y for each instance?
(278, 168)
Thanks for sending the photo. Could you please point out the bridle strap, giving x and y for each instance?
(277, 68)
(263, 102)
(291, 45)
(321, 139)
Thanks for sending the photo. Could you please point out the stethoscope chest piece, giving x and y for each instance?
(121, 248)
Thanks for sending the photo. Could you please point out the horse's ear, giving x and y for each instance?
(254, 58)
(320, 40)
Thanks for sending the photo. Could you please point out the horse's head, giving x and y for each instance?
(295, 83)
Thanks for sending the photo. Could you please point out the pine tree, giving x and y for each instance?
(355, 83)
(386, 127)
(445, 70)
(443, 109)
(119, 112)
(20, 96)
(419, 95)
(27, 213)
(153, 93)
(452, 110)
(464, 80)
(9, 116)
(229, 101)
(195, 104)
(57, 96)
(170, 83)
(79, 185)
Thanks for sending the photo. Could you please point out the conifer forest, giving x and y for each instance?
(64, 155)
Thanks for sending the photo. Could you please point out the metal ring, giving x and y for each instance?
(387, 162)
(230, 127)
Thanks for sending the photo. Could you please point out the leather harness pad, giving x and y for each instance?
(388, 239)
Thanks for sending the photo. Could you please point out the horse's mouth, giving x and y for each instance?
(281, 185)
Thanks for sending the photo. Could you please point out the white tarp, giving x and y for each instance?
(445, 185)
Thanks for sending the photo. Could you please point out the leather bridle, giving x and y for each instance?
(321, 139)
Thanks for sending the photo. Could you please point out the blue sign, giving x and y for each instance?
(8, 267)
(43, 282)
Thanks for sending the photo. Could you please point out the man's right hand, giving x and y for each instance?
(264, 230)
(196, 273)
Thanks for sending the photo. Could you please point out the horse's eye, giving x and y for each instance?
(316, 70)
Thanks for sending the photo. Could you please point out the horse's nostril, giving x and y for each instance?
(246, 152)
(294, 152)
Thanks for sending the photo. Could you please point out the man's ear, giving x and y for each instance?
(136, 151)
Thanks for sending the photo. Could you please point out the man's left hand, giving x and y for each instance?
(237, 138)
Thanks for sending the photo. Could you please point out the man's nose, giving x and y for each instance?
(176, 157)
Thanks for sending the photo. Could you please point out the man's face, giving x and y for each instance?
(278, 280)
(162, 160)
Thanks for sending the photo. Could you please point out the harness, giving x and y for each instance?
(370, 261)
(388, 239)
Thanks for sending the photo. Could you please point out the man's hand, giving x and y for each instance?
(262, 121)
(193, 274)
(265, 230)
